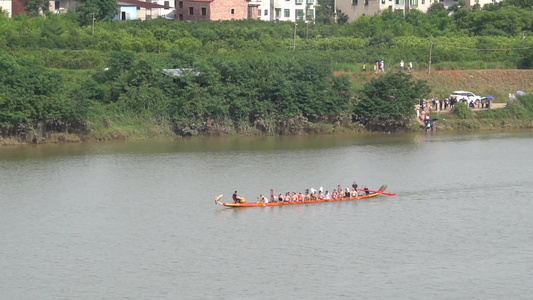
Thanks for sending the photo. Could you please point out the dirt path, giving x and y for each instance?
(492, 106)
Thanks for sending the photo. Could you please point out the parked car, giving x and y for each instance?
(470, 97)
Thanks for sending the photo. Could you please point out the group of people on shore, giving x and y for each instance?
(379, 66)
(312, 195)
(434, 104)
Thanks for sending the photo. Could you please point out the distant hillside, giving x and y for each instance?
(498, 83)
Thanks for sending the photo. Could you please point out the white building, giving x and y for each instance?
(145, 9)
(6, 6)
(356, 8)
(286, 10)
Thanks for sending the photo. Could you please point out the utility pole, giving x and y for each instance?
(335, 11)
(294, 37)
(429, 64)
(92, 16)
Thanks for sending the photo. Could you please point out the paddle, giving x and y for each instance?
(379, 192)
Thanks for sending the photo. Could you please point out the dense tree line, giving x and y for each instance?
(55, 75)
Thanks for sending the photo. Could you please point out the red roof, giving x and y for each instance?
(141, 4)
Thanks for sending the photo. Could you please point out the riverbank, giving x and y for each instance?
(498, 117)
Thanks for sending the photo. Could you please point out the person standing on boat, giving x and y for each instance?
(236, 199)
(354, 185)
(365, 188)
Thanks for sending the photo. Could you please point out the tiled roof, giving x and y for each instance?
(141, 4)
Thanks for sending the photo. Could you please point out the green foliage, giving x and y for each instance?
(121, 61)
(244, 72)
(36, 7)
(387, 102)
(99, 9)
(462, 111)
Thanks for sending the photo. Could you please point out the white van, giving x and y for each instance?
(460, 95)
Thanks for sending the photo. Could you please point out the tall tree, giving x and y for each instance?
(36, 7)
(387, 102)
(100, 9)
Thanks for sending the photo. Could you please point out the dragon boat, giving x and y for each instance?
(366, 194)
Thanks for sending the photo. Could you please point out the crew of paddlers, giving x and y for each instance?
(313, 195)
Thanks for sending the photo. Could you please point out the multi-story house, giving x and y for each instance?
(129, 9)
(287, 10)
(6, 5)
(356, 8)
(267, 10)
(215, 10)
(468, 3)
(13, 7)
(141, 10)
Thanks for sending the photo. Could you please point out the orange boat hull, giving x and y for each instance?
(279, 203)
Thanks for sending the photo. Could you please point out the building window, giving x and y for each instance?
(414, 3)
(56, 5)
(180, 4)
(233, 11)
(166, 3)
(310, 1)
(204, 11)
(299, 13)
(398, 2)
(390, 7)
(287, 13)
(366, 2)
(354, 2)
(309, 14)
(424, 1)
(180, 17)
(299, 1)
(278, 13)
(191, 11)
(382, 1)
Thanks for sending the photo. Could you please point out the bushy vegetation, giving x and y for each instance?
(56, 75)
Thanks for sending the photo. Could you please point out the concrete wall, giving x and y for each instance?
(127, 13)
(229, 9)
(6, 6)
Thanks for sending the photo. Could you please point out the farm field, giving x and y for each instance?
(496, 82)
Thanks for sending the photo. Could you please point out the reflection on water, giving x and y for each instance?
(138, 220)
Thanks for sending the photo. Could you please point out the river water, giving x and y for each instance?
(137, 220)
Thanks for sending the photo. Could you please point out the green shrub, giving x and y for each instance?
(461, 111)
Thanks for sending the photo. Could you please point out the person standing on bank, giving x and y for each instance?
(402, 66)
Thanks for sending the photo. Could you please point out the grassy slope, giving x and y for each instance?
(498, 83)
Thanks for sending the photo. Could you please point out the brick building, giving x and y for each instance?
(214, 10)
